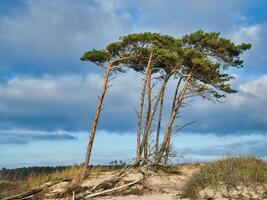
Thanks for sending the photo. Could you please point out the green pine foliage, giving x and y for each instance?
(207, 53)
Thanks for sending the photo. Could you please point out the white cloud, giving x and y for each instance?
(68, 102)
(65, 102)
(248, 34)
(243, 112)
(255, 59)
(257, 88)
(58, 32)
(252, 98)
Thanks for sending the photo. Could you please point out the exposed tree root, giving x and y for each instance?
(102, 186)
(109, 183)
(122, 187)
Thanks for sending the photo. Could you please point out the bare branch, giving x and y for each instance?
(185, 125)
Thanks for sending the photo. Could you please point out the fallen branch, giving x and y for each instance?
(113, 189)
(102, 185)
(109, 183)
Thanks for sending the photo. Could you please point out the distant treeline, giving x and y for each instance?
(25, 172)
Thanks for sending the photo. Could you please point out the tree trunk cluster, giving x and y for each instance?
(160, 153)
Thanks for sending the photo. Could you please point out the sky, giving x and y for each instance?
(48, 96)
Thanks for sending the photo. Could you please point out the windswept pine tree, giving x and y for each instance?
(100, 58)
(199, 62)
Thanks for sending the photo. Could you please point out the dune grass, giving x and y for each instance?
(231, 172)
(38, 179)
(68, 173)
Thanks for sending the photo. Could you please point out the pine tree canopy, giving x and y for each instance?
(208, 55)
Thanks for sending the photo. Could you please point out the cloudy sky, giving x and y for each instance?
(48, 96)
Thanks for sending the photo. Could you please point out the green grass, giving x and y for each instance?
(231, 172)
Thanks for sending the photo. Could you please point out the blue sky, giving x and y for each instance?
(48, 96)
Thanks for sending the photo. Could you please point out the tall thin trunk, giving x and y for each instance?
(158, 127)
(173, 106)
(95, 121)
(148, 99)
(167, 137)
(154, 109)
(140, 116)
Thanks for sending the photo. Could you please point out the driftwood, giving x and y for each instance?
(111, 182)
(102, 186)
(113, 189)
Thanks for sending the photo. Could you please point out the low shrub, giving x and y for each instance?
(232, 171)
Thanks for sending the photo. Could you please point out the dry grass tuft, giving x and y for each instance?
(68, 173)
(39, 179)
(231, 172)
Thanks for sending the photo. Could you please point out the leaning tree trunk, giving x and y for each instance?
(160, 115)
(173, 107)
(97, 114)
(158, 127)
(151, 117)
(140, 116)
(148, 99)
(95, 122)
(167, 137)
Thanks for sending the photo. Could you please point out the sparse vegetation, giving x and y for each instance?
(38, 179)
(14, 181)
(231, 172)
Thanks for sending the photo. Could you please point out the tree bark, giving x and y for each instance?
(140, 116)
(159, 126)
(167, 137)
(147, 128)
(173, 106)
(95, 121)
(148, 99)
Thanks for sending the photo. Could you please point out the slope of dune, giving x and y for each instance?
(230, 178)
